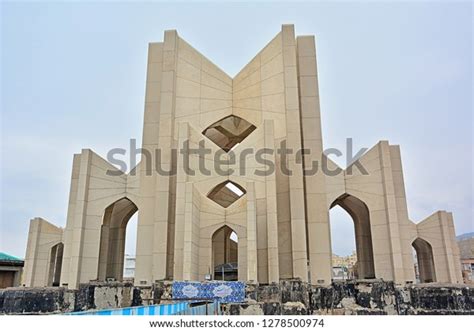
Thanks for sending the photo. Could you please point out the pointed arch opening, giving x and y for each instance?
(228, 132)
(226, 193)
(424, 261)
(362, 264)
(55, 264)
(112, 239)
(225, 248)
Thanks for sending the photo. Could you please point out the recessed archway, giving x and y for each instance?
(228, 132)
(55, 264)
(424, 260)
(359, 212)
(225, 245)
(112, 239)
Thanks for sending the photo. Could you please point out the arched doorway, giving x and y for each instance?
(424, 261)
(358, 211)
(112, 239)
(55, 264)
(343, 246)
(225, 254)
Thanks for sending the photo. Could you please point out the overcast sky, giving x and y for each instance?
(73, 76)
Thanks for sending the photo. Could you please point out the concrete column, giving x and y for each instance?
(69, 230)
(146, 215)
(181, 179)
(251, 233)
(155, 190)
(165, 143)
(271, 212)
(406, 227)
(80, 220)
(391, 213)
(447, 239)
(317, 217)
(31, 258)
(456, 253)
(39, 256)
(190, 254)
(293, 126)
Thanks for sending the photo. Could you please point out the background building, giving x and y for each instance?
(129, 267)
(11, 269)
(466, 249)
(344, 267)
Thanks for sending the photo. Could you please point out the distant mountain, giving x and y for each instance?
(465, 236)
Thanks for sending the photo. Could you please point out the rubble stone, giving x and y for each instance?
(289, 297)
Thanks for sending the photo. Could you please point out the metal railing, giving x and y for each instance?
(174, 308)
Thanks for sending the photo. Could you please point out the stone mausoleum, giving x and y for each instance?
(262, 226)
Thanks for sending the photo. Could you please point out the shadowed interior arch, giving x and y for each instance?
(226, 193)
(229, 132)
(424, 256)
(360, 215)
(112, 239)
(55, 264)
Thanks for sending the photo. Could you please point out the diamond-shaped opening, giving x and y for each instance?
(226, 193)
(228, 132)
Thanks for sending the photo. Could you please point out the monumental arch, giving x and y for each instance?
(185, 221)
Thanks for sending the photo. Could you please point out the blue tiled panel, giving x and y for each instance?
(221, 291)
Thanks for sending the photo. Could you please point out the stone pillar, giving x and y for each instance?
(39, 256)
(191, 235)
(391, 213)
(457, 278)
(438, 231)
(80, 220)
(271, 212)
(448, 239)
(317, 217)
(152, 259)
(181, 179)
(148, 175)
(293, 126)
(406, 227)
(31, 258)
(165, 144)
(251, 233)
(69, 230)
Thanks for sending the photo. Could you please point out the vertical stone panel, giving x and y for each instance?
(79, 220)
(251, 233)
(296, 185)
(317, 218)
(69, 230)
(163, 188)
(407, 230)
(191, 234)
(272, 222)
(391, 213)
(448, 247)
(147, 173)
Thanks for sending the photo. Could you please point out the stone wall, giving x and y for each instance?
(288, 297)
(57, 300)
(293, 297)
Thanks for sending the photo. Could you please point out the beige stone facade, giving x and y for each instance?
(281, 222)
